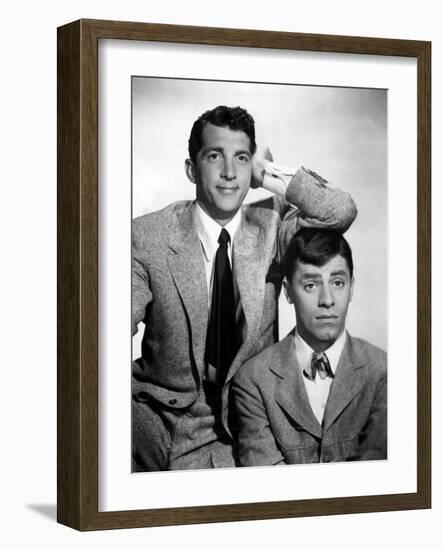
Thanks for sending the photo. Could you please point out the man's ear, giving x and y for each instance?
(352, 285)
(287, 291)
(190, 168)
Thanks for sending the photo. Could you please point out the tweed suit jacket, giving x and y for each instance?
(277, 424)
(169, 288)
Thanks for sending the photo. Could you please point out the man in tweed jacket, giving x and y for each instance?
(319, 395)
(176, 422)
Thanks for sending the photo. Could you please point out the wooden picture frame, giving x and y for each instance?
(77, 225)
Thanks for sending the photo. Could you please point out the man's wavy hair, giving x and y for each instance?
(315, 247)
(235, 118)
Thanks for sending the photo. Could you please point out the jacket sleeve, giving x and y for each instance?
(257, 445)
(314, 203)
(373, 437)
(141, 292)
(320, 204)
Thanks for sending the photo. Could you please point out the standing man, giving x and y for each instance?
(319, 395)
(206, 279)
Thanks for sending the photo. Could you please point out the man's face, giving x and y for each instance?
(222, 172)
(321, 296)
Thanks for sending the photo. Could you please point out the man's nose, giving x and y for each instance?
(228, 170)
(326, 298)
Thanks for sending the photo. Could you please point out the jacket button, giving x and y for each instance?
(172, 401)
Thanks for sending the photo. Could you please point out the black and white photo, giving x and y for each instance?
(224, 175)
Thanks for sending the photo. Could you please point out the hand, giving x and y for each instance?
(261, 156)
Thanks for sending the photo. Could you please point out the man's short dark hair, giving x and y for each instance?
(315, 247)
(235, 118)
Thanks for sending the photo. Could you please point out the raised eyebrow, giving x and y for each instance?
(314, 276)
(243, 152)
(338, 273)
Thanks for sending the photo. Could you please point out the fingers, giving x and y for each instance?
(261, 156)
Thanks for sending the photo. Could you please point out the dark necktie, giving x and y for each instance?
(319, 364)
(222, 339)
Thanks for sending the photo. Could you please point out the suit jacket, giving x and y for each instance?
(277, 424)
(169, 289)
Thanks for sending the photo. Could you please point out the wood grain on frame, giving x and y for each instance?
(77, 225)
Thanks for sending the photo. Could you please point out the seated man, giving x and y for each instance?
(319, 395)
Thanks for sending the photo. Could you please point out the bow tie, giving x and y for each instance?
(319, 364)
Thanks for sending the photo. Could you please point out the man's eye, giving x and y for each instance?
(309, 286)
(243, 159)
(213, 156)
(339, 283)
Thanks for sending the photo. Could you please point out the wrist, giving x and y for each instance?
(277, 177)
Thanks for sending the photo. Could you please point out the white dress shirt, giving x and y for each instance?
(318, 389)
(208, 232)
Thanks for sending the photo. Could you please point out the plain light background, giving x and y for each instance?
(28, 276)
(340, 133)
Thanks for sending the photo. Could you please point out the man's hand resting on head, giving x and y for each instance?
(260, 158)
(268, 174)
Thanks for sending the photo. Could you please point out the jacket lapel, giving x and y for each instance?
(186, 263)
(249, 272)
(348, 381)
(290, 392)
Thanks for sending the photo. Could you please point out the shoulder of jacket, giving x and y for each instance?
(155, 223)
(265, 209)
(257, 368)
(372, 355)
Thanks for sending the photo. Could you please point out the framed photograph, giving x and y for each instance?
(277, 184)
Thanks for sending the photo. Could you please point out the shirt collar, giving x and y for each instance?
(208, 230)
(304, 351)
